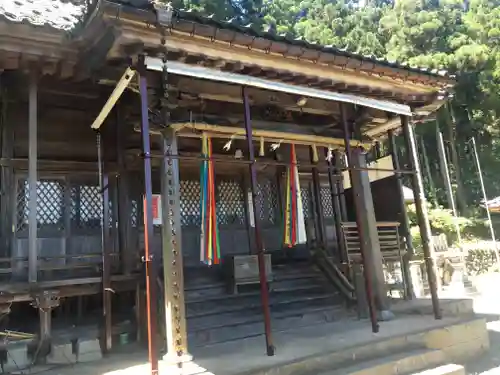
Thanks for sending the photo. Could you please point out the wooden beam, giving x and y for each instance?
(58, 165)
(134, 32)
(269, 135)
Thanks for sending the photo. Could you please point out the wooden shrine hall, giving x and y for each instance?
(203, 176)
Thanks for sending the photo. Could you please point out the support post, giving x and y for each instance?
(485, 198)
(8, 187)
(422, 217)
(175, 313)
(319, 222)
(264, 293)
(450, 120)
(365, 221)
(32, 179)
(124, 227)
(106, 247)
(149, 258)
(427, 168)
(405, 222)
(446, 177)
(334, 192)
(45, 302)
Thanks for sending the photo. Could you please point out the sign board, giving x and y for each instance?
(156, 203)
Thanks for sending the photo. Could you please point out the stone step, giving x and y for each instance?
(254, 326)
(450, 369)
(234, 302)
(276, 303)
(211, 287)
(396, 364)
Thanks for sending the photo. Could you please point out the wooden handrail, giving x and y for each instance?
(388, 236)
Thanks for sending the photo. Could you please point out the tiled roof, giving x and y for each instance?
(58, 14)
(67, 14)
(301, 42)
(250, 29)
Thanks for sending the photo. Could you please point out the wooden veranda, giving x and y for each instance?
(97, 120)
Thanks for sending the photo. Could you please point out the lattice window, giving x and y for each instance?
(50, 204)
(134, 213)
(111, 219)
(22, 205)
(190, 193)
(230, 203)
(326, 201)
(267, 201)
(86, 206)
(304, 194)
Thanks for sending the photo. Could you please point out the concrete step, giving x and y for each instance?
(450, 369)
(396, 364)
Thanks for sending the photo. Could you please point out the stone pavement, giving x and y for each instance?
(488, 305)
(132, 361)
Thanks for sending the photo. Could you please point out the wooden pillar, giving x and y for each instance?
(149, 254)
(106, 248)
(422, 216)
(405, 222)
(8, 188)
(319, 222)
(264, 293)
(175, 310)
(333, 180)
(32, 179)
(124, 202)
(67, 221)
(367, 226)
(428, 171)
(461, 200)
(365, 221)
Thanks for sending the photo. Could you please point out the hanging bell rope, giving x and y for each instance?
(315, 157)
(294, 226)
(261, 148)
(329, 154)
(209, 239)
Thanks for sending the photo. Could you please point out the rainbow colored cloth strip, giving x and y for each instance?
(294, 226)
(209, 240)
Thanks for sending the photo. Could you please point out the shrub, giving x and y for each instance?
(480, 261)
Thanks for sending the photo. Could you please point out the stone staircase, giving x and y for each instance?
(299, 296)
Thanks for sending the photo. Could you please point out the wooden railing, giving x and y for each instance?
(391, 247)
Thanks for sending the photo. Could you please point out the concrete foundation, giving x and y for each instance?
(17, 357)
(62, 354)
(88, 350)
